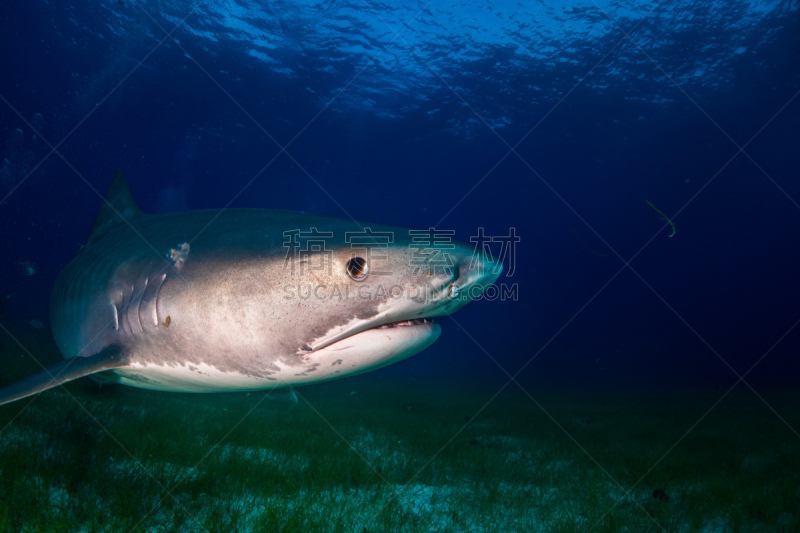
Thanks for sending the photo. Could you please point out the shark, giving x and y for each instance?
(248, 299)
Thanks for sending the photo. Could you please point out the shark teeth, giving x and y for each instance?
(403, 323)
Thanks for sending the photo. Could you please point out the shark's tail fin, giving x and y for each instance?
(67, 370)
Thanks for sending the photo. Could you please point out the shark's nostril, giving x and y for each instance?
(454, 290)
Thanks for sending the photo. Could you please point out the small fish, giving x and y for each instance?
(27, 268)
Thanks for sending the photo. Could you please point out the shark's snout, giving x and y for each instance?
(468, 277)
(412, 289)
(474, 274)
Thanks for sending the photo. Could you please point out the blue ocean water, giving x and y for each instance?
(642, 155)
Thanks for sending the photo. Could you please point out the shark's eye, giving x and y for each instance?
(357, 268)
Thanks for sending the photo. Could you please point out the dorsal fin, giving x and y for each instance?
(118, 206)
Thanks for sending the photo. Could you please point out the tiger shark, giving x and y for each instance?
(248, 299)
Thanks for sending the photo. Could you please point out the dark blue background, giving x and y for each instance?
(401, 145)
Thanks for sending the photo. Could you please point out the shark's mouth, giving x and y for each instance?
(352, 331)
(370, 348)
(405, 323)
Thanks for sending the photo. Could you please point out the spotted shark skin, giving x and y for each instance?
(222, 300)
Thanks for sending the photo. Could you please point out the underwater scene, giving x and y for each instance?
(352, 266)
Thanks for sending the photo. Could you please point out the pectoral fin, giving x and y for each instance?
(67, 370)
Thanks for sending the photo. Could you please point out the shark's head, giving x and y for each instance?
(273, 298)
(368, 303)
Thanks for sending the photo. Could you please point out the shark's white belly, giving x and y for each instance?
(350, 356)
